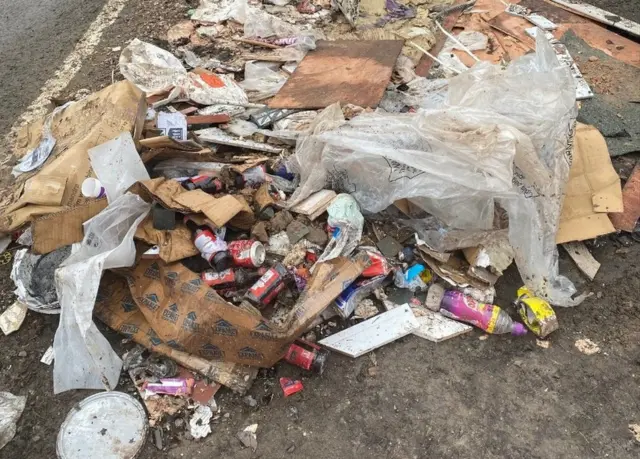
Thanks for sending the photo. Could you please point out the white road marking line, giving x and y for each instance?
(71, 65)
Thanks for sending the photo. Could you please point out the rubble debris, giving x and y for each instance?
(11, 408)
(180, 33)
(118, 428)
(11, 319)
(199, 423)
(389, 247)
(352, 62)
(373, 333)
(582, 258)
(586, 346)
(627, 220)
(536, 313)
(248, 437)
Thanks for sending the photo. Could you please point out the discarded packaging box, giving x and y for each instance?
(173, 245)
(100, 117)
(592, 190)
(179, 310)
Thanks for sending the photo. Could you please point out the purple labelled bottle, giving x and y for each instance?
(488, 317)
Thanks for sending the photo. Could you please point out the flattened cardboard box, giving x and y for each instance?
(83, 125)
(169, 304)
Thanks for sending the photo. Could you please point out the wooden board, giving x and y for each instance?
(600, 15)
(582, 258)
(627, 219)
(349, 72)
(373, 333)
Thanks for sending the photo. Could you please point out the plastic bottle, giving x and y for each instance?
(488, 317)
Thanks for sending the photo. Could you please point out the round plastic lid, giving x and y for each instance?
(106, 425)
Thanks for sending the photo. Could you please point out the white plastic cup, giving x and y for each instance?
(92, 188)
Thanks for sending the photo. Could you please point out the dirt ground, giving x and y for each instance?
(494, 397)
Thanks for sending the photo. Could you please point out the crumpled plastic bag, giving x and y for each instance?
(262, 79)
(155, 71)
(348, 222)
(84, 358)
(211, 11)
(11, 408)
(503, 137)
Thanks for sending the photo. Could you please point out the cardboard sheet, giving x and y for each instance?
(346, 71)
(592, 190)
(61, 228)
(168, 304)
(83, 125)
(174, 244)
(232, 209)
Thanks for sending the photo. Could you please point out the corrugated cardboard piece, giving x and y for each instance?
(85, 124)
(593, 189)
(232, 209)
(56, 230)
(174, 244)
(169, 304)
(631, 197)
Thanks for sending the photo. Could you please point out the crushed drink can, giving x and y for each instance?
(268, 286)
(247, 253)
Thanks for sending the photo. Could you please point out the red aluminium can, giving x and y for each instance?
(247, 253)
(268, 286)
(313, 358)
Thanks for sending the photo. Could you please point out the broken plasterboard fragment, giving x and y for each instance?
(433, 326)
(373, 333)
(582, 258)
(218, 136)
(583, 90)
(12, 318)
(48, 356)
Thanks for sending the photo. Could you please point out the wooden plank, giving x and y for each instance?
(345, 71)
(582, 258)
(600, 15)
(425, 63)
(208, 119)
(627, 220)
(315, 205)
(373, 333)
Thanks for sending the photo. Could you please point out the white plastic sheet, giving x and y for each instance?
(84, 358)
(11, 408)
(502, 137)
(117, 165)
(262, 79)
(155, 71)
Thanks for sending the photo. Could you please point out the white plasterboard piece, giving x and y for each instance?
(48, 356)
(600, 15)
(582, 258)
(583, 90)
(541, 21)
(436, 327)
(373, 333)
(216, 135)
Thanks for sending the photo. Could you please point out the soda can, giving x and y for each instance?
(247, 253)
(268, 286)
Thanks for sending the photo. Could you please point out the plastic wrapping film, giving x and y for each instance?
(502, 137)
(84, 358)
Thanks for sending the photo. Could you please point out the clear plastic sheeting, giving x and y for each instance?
(117, 165)
(84, 358)
(11, 408)
(503, 137)
(262, 79)
(211, 11)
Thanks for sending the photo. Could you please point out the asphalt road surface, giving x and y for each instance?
(35, 38)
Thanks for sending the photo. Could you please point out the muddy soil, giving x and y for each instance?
(475, 395)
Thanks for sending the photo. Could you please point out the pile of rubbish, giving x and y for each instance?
(230, 211)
